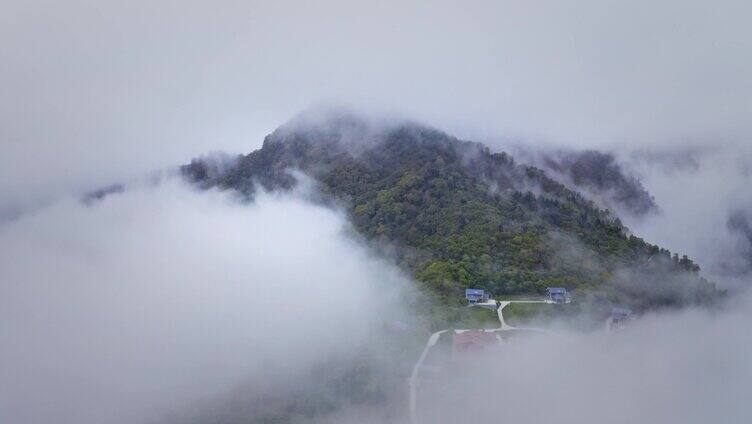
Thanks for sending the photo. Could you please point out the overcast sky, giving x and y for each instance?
(99, 91)
(111, 312)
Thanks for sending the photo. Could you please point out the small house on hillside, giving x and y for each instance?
(558, 295)
(619, 315)
(476, 295)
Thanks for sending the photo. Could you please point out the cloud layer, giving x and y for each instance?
(152, 299)
(690, 367)
(159, 296)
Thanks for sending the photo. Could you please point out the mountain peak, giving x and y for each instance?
(350, 128)
(461, 216)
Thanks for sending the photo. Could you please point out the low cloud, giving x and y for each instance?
(167, 304)
(157, 297)
(161, 296)
(596, 174)
(685, 367)
(704, 197)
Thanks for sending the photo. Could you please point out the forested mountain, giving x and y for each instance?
(597, 174)
(459, 215)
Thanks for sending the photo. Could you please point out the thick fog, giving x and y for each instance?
(148, 301)
(706, 206)
(153, 302)
(682, 368)
(158, 299)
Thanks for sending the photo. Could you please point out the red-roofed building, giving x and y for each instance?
(472, 340)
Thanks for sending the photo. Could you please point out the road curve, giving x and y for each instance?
(413, 382)
(503, 304)
(414, 375)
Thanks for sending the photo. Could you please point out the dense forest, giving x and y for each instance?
(457, 215)
(596, 173)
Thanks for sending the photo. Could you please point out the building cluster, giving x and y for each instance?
(554, 294)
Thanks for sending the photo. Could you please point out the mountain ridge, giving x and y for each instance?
(461, 215)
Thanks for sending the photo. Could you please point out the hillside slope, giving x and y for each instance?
(459, 215)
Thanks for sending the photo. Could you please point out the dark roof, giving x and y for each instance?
(557, 290)
(477, 292)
